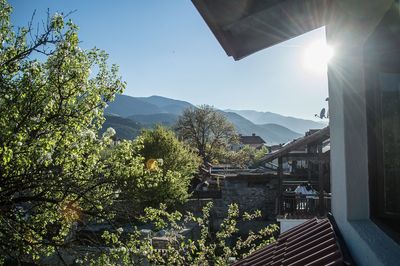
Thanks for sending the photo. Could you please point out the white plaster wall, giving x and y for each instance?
(347, 33)
(286, 224)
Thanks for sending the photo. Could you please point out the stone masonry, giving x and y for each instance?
(251, 192)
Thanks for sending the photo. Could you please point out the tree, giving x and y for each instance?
(161, 143)
(211, 248)
(50, 157)
(156, 168)
(247, 156)
(207, 130)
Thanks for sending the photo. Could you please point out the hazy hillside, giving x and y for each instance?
(278, 134)
(271, 133)
(296, 124)
(125, 128)
(125, 106)
(167, 105)
(152, 119)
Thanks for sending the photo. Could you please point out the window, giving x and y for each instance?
(382, 65)
(390, 137)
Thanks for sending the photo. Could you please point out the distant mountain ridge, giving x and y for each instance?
(125, 128)
(295, 124)
(126, 106)
(166, 119)
(144, 112)
(271, 133)
(167, 105)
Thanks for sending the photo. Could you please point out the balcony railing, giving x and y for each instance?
(297, 205)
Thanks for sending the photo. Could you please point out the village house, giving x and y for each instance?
(253, 141)
(364, 102)
(273, 190)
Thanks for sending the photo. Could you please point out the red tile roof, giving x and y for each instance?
(311, 243)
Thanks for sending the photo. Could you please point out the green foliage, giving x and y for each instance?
(207, 131)
(211, 248)
(125, 128)
(141, 187)
(55, 172)
(49, 154)
(247, 156)
(161, 143)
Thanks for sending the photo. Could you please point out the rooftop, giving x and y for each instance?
(244, 27)
(315, 242)
(312, 137)
(253, 139)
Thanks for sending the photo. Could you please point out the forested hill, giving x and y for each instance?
(127, 115)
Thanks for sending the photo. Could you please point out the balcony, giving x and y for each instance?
(296, 206)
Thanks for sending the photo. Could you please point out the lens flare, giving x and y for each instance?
(317, 56)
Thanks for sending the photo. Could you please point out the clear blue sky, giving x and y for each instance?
(165, 48)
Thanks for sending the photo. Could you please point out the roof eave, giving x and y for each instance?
(320, 135)
(252, 31)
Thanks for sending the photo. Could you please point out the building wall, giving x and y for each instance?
(251, 192)
(347, 33)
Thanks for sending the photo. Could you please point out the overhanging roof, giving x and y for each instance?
(244, 27)
(318, 136)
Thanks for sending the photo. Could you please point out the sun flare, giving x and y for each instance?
(316, 56)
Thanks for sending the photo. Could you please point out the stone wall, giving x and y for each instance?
(251, 192)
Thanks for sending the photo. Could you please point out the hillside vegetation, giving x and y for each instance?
(146, 112)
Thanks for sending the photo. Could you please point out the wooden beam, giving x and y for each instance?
(280, 187)
(318, 136)
(321, 182)
(304, 156)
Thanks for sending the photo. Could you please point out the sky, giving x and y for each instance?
(165, 48)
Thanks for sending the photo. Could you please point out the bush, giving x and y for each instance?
(212, 248)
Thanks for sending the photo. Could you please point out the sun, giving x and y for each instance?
(316, 56)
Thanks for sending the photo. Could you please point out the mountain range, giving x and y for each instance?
(292, 123)
(128, 115)
(125, 106)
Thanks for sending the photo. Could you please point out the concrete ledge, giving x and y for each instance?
(368, 244)
(286, 224)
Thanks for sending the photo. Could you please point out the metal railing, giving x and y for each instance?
(305, 205)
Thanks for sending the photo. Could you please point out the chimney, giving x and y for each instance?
(254, 134)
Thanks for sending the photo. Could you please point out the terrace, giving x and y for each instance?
(296, 206)
(303, 161)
